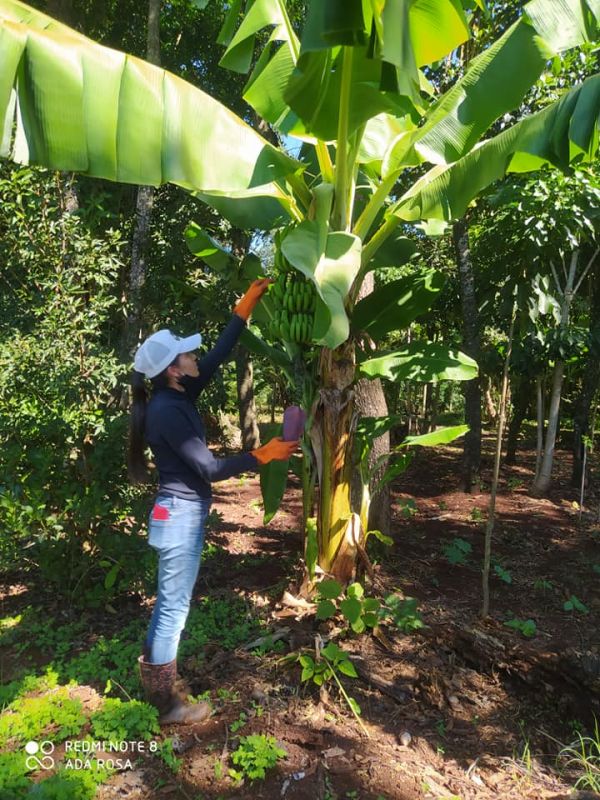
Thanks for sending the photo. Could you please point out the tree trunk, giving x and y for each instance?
(539, 402)
(591, 381)
(543, 479)
(245, 394)
(143, 213)
(338, 529)
(472, 389)
(370, 402)
(492, 413)
(489, 528)
(521, 400)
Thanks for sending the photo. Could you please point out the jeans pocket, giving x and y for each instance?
(177, 523)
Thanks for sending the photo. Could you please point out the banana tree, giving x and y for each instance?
(353, 87)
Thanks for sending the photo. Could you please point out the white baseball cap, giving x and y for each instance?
(161, 349)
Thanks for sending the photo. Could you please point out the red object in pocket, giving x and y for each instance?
(160, 512)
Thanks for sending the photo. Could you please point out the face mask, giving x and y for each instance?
(187, 381)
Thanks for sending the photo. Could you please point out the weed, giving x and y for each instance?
(333, 660)
(218, 769)
(542, 585)
(526, 626)
(13, 780)
(239, 723)
(360, 611)
(55, 715)
(269, 646)
(117, 721)
(440, 727)
(255, 754)
(502, 573)
(167, 754)
(69, 784)
(408, 508)
(402, 612)
(514, 483)
(477, 515)
(225, 621)
(227, 695)
(574, 604)
(256, 505)
(457, 551)
(583, 755)
(211, 550)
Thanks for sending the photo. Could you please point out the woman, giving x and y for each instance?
(171, 425)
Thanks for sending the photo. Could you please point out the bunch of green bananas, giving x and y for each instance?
(295, 300)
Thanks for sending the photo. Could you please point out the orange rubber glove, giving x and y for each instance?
(275, 450)
(246, 305)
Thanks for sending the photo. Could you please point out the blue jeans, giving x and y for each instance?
(176, 532)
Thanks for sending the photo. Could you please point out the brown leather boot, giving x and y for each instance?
(158, 681)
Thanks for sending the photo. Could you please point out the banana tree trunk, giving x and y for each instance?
(339, 530)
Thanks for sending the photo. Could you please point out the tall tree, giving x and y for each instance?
(590, 382)
(471, 346)
(143, 213)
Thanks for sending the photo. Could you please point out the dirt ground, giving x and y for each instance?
(459, 710)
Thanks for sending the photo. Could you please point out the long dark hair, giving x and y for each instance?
(137, 464)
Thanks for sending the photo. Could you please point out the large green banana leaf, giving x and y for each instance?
(83, 107)
(419, 361)
(302, 97)
(395, 305)
(495, 83)
(560, 134)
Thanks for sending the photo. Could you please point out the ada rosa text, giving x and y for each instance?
(100, 763)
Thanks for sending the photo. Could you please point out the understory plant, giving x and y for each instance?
(254, 755)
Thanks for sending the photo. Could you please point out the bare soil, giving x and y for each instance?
(460, 709)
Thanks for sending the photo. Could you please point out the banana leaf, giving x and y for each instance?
(419, 361)
(82, 107)
(393, 306)
(564, 132)
(495, 83)
(205, 247)
(273, 480)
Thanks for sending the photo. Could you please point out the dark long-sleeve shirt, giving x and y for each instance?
(175, 432)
